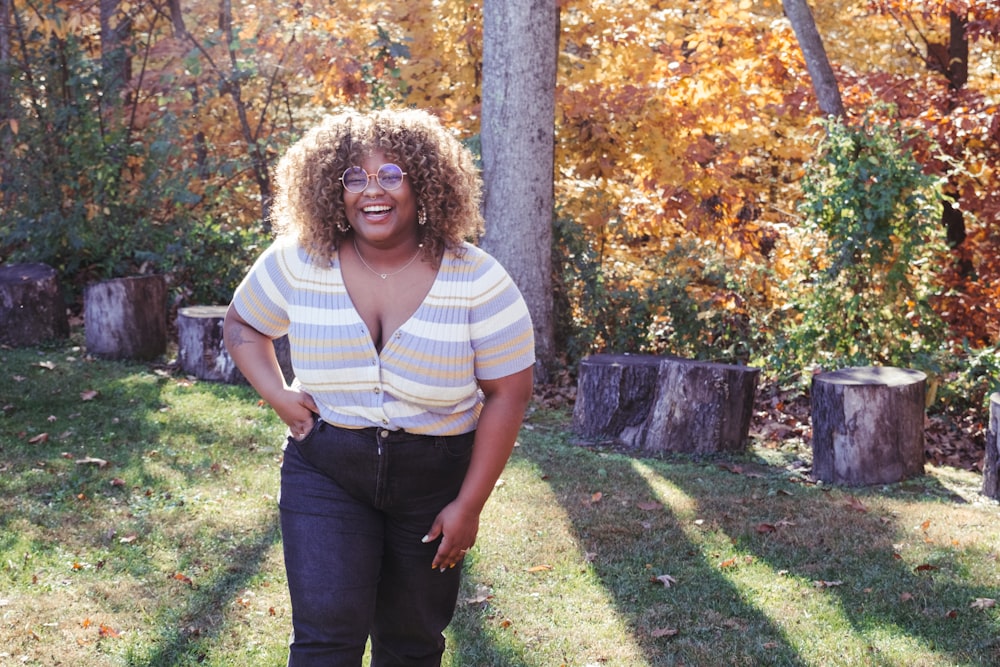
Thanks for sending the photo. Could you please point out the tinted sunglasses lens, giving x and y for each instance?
(355, 179)
(390, 176)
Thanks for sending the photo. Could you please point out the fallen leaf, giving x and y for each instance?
(117, 481)
(983, 603)
(766, 528)
(925, 525)
(664, 632)
(38, 439)
(596, 497)
(728, 563)
(664, 579)
(89, 394)
(108, 631)
(129, 539)
(925, 567)
(51, 418)
(855, 504)
(649, 506)
(184, 578)
(905, 597)
(827, 584)
(540, 568)
(47, 364)
(951, 613)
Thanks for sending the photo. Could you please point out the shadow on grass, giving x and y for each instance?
(826, 558)
(113, 485)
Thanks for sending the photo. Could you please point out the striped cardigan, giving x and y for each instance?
(472, 324)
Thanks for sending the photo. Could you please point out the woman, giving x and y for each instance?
(413, 355)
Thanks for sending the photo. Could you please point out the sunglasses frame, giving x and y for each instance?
(368, 177)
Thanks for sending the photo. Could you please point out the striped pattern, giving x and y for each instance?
(472, 324)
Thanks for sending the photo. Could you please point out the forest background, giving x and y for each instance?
(701, 209)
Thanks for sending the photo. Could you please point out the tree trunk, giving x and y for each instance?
(520, 45)
(202, 353)
(6, 101)
(991, 466)
(614, 393)
(32, 309)
(115, 63)
(868, 425)
(657, 404)
(823, 80)
(126, 318)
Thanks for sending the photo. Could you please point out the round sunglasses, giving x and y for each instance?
(389, 177)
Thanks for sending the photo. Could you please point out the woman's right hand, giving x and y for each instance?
(297, 409)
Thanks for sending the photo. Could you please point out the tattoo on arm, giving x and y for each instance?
(235, 335)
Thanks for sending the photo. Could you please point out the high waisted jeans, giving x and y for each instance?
(354, 507)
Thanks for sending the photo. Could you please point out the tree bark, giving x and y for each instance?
(991, 466)
(32, 308)
(126, 318)
(6, 101)
(656, 404)
(868, 425)
(115, 63)
(520, 47)
(823, 79)
(202, 353)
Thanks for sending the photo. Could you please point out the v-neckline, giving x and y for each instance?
(392, 335)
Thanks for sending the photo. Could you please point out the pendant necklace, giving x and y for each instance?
(381, 275)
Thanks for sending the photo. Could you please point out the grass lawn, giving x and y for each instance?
(138, 526)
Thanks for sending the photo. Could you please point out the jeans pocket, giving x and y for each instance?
(317, 422)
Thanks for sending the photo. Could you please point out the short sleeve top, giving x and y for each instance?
(473, 324)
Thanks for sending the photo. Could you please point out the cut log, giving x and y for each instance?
(991, 465)
(201, 351)
(126, 318)
(868, 425)
(32, 309)
(657, 404)
(614, 392)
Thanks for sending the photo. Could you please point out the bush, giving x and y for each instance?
(865, 296)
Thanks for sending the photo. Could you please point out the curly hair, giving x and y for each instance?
(309, 194)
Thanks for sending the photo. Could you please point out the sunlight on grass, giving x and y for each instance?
(543, 585)
(807, 611)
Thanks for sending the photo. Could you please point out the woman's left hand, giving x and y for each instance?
(457, 526)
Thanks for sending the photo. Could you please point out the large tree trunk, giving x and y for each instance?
(6, 101)
(823, 80)
(520, 47)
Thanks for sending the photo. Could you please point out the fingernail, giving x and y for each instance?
(425, 539)
(451, 566)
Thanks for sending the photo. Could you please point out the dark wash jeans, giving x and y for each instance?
(354, 507)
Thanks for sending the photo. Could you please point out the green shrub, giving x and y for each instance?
(865, 297)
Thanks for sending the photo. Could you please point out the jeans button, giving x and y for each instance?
(384, 434)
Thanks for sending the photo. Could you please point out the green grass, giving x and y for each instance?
(169, 554)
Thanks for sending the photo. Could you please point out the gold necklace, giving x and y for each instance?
(381, 275)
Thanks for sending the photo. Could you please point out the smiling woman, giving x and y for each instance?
(412, 353)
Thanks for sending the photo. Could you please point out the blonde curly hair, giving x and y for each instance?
(309, 194)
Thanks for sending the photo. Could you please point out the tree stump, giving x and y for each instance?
(201, 350)
(665, 404)
(868, 425)
(991, 466)
(32, 309)
(126, 318)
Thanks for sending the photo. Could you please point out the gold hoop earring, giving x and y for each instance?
(343, 227)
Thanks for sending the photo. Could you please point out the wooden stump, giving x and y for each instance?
(665, 404)
(32, 309)
(614, 392)
(991, 466)
(126, 318)
(868, 425)
(202, 352)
